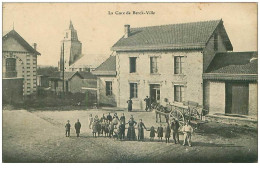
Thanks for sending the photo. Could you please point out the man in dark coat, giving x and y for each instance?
(77, 127)
(141, 128)
(67, 129)
(175, 133)
(147, 103)
(167, 133)
(109, 117)
(122, 123)
(130, 104)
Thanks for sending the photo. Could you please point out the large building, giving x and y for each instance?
(19, 65)
(167, 63)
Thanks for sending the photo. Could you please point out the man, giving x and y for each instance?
(77, 127)
(187, 130)
(140, 127)
(175, 133)
(94, 128)
(109, 117)
(67, 129)
(147, 103)
(103, 124)
(122, 123)
(167, 133)
(130, 104)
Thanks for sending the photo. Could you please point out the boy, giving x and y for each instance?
(187, 130)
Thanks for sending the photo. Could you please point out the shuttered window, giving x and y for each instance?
(132, 64)
(133, 90)
(108, 88)
(178, 64)
(179, 94)
(153, 65)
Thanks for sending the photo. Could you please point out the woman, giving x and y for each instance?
(131, 128)
(130, 103)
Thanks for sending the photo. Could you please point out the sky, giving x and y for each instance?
(98, 30)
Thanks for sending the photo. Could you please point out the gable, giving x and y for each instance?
(11, 44)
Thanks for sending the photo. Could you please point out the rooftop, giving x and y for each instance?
(192, 35)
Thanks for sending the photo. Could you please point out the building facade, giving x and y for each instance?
(230, 84)
(166, 62)
(19, 62)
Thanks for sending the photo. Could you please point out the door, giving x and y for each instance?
(155, 93)
(237, 97)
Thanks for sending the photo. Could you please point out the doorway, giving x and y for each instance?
(237, 98)
(155, 93)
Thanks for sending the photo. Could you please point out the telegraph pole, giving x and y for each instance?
(63, 69)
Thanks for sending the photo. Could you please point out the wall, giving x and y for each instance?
(103, 99)
(191, 78)
(71, 48)
(253, 107)
(217, 99)
(209, 52)
(26, 64)
(12, 90)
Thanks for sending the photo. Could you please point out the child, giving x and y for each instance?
(187, 130)
(160, 132)
(152, 133)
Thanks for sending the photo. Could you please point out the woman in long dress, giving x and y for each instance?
(131, 129)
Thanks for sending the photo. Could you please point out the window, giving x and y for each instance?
(178, 64)
(153, 65)
(215, 41)
(11, 67)
(179, 93)
(67, 34)
(108, 88)
(132, 61)
(133, 90)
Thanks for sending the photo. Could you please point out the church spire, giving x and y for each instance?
(71, 25)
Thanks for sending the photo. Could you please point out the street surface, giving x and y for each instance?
(39, 136)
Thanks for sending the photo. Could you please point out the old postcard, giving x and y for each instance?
(129, 82)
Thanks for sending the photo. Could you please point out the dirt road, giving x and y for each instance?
(39, 136)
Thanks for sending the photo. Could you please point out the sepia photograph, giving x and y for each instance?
(129, 82)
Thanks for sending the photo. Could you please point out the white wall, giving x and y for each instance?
(217, 99)
(166, 78)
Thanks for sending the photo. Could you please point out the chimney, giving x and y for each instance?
(127, 31)
(35, 46)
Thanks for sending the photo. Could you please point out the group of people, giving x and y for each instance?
(113, 126)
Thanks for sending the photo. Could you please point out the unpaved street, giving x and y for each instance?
(39, 136)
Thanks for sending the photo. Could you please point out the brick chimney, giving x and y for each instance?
(127, 31)
(35, 46)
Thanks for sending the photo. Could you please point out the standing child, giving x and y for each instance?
(67, 129)
(152, 133)
(187, 130)
(160, 132)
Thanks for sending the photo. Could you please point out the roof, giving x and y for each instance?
(107, 68)
(87, 75)
(233, 66)
(67, 75)
(89, 61)
(19, 38)
(193, 35)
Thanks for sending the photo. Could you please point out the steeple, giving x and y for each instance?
(71, 25)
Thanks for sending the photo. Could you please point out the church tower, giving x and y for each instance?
(72, 48)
